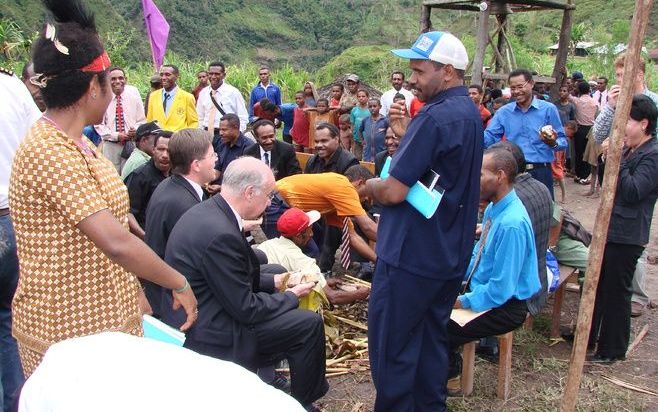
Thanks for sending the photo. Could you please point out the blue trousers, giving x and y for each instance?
(10, 363)
(544, 175)
(408, 339)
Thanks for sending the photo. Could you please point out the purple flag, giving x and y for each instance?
(157, 29)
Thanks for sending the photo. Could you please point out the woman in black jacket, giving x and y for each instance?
(628, 233)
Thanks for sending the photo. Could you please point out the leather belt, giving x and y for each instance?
(530, 166)
(4, 211)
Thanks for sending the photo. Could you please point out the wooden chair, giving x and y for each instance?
(504, 366)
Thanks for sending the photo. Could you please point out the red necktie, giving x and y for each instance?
(119, 119)
(345, 260)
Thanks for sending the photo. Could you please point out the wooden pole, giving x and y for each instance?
(502, 19)
(425, 22)
(481, 46)
(638, 29)
(562, 51)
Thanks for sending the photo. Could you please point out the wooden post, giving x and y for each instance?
(481, 46)
(425, 22)
(638, 29)
(562, 51)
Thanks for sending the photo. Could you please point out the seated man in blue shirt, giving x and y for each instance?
(521, 122)
(232, 144)
(502, 273)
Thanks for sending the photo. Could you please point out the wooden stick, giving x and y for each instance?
(481, 47)
(338, 360)
(562, 51)
(359, 281)
(351, 322)
(627, 385)
(597, 247)
(333, 375)
(637, 339)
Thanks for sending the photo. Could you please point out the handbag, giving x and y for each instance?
(127, 150)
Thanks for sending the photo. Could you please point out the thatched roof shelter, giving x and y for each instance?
(325, 91)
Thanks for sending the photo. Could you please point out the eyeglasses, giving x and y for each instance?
(213, 155)
(519, 88)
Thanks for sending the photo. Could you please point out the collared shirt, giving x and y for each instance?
(586, 109)
(286, 253)
(227, 153)
(235, 213)
(603, 123)
(507, 267)
(601, 98)
(445, 136)
(197, 187)
(338, 162)
(374, 135)
(271, 91)
(137, 158)
(141, 184)
(522, 127)
(262, 156)
(133, 114)
(168, 99)
(387, 99)
(229, 99)
(18, 112)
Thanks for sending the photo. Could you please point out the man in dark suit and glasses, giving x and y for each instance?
(192, 160)
(279, 156)
(241, 319)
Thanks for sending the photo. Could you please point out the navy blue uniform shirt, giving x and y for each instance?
(445, 136)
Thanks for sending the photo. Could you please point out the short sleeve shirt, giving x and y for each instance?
(68, 287)
(330, 194)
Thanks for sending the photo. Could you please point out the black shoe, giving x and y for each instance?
(570, 337)
(281, 382)
(312, 408)
(604, 360)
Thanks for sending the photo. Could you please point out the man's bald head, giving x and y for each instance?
(244, 172)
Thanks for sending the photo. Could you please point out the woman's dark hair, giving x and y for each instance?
(58, 60)
(644, 108)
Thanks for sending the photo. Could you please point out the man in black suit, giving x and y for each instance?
(279, 156)
(192, 161)
(239, 319)
(329, 157)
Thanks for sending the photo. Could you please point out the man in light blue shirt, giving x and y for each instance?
(521, 122)
(502, 273)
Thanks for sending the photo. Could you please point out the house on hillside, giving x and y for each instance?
(583, 48)
(325, 91)
(586, 48)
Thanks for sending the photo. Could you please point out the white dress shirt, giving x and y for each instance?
(133, 114)
(230, 100)
(196, 186)
(387, 100)
(262, 156)
(603, 96)
(18, 112)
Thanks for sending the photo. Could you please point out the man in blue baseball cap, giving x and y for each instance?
(421, 262)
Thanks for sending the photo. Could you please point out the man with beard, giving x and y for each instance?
(172, 107)
(122, 117)
(397, 79)
(522, 121)
(142, 182)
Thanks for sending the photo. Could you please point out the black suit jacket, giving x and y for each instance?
(208, 247)
(173, 197)
(283, 163)
(141, 185)
(380, 159)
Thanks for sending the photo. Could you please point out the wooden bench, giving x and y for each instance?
(567, 275)
(303, 158)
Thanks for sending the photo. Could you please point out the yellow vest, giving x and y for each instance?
(182, 113)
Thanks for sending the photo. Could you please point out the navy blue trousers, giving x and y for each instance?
(544, 175)
(408, 339)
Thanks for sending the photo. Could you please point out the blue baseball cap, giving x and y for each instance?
(437, 46)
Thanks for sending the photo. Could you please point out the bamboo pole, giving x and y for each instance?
(638, 29)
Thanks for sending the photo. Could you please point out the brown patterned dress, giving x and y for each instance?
(67, 286)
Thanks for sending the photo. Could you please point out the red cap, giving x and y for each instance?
(294, 221)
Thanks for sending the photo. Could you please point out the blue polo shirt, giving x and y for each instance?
(445, 136)
(287, 116)
(522, 128)
(226, 154)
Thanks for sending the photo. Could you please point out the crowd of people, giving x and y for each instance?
(117, 207)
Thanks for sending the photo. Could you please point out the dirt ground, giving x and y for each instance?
(539, 368)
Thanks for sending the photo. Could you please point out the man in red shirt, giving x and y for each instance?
(476, 93)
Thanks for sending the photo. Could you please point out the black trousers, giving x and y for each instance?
(580, 143)
(497, 321)
(298, 336)
(611, 322)
(407, 337)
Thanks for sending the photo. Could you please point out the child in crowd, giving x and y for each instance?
(310, 94)
(559, 164)
(336, 93)
(321, 113)
(359, 112)
(299, 131)
(373, 131)
(498, 103)
(591, 156)
(346, 137)
(415, 105)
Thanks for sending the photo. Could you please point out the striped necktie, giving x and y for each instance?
(478, 254)
(345, 260)
(119, 119)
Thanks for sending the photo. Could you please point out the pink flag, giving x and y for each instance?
(157, 29)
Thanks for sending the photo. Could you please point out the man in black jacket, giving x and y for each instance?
(192, 161)
(241, 319)
(329, 157)
(279, 156)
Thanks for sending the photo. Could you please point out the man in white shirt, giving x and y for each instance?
(600, 96)
(227, 100)
(122, 117)
(17, 114)
(397, 79)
